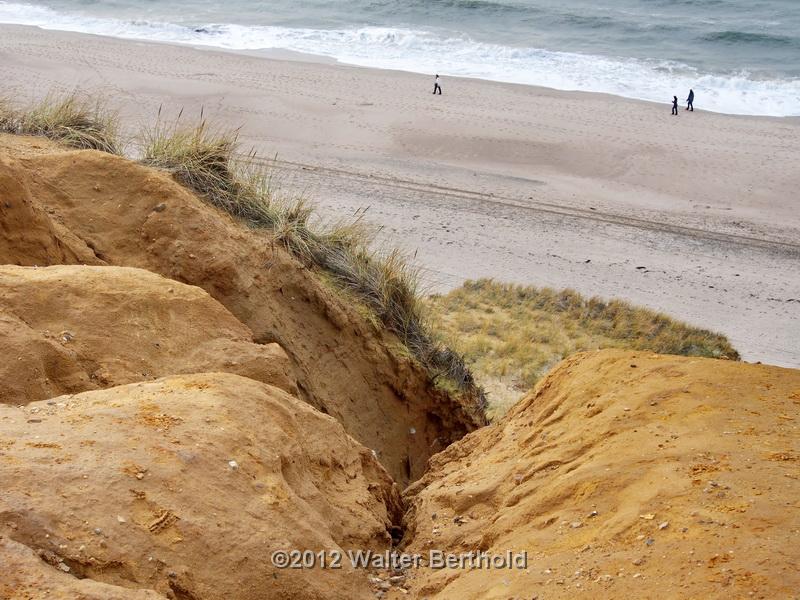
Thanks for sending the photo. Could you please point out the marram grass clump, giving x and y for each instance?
(207, 161)
(8, 117)
(204, 159)
(75, 121)
(512, 335)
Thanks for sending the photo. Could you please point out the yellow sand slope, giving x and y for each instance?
(624, 475)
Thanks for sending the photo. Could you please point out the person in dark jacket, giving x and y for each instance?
(675, 105)
(690, 101)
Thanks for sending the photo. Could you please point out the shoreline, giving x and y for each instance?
(285, 54)
(294, 55)
(524, 184)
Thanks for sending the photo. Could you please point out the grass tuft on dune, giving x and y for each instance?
(207, 161)
(7, 117)
(76, 121)
(512, 335)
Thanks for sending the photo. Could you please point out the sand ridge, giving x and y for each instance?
(623, 474)
(152, 326)
(186, 485)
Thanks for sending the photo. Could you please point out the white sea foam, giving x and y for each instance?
(427, 52)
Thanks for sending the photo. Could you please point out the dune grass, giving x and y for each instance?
(207, 161)
(7, 116)
(76, 121)
(512, 335)
(204, 160)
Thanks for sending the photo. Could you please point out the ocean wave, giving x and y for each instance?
(429, 52)
(747, 37)
(474, 5)
(704, 3)
(588, 21)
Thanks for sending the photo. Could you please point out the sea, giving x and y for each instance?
(739, 56)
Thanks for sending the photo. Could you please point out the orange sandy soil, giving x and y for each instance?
(180, 399)
(624, 475)
(82, 207)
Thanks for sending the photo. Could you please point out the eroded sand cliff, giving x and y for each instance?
(179, 399)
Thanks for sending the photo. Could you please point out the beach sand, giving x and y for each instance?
(696, 215)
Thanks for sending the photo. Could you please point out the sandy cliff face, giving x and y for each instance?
(182, 483)
(163, 385)
(69, 329)
(624, 475)
(91, 208)
(185, 485)
(33, 578)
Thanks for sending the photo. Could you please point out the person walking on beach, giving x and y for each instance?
(436, 87)
(690, 101)
(675, 105)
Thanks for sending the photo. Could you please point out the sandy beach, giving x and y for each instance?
(696, 215)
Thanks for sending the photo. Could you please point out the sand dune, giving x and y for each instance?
(519, 183)
(623, 475)
(195, 334)
(73, 207)
(154, 503)
(128, 473)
